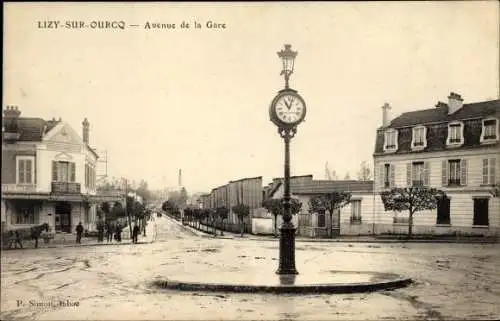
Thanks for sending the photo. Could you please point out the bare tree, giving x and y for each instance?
(365, 172)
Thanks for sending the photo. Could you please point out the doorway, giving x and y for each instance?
(443, 211)
(481, 212)
(63, 217)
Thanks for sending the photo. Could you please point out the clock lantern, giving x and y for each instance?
(287, 111)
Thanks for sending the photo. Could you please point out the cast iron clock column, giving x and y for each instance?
(287, 110)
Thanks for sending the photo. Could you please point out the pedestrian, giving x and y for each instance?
(14, 239)
(79, 232)
(118, 232)
(100, 231)
(109, 232)
(135, 233)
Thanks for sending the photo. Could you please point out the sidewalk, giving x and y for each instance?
(341, 239)
(69, 240)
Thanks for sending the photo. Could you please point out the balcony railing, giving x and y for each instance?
(19, 188)
(66, 187)
(355, 220)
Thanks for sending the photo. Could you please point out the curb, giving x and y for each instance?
(333, 288)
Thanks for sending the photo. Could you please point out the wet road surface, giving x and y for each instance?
(452, 281)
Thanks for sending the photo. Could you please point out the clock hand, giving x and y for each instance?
(286, 103)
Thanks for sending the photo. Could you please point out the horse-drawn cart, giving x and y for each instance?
(12, 237)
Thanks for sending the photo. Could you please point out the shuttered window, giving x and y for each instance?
(25, 171)
(455, 172)
(489, 175)
(63, 171)
(490, 129)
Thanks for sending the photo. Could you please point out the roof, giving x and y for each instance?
(440, 114)
(246, 179)
(33, 129)
(328, 186)
(436, 121)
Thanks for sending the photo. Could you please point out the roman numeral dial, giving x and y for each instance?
(289, 108)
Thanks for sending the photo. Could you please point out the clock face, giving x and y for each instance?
(289, 108)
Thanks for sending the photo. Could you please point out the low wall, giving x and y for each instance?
(444, 230)
(262, 226)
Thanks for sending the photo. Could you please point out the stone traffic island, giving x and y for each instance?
(268, 282)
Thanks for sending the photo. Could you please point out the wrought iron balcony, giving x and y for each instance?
(355, 220)
(66, 188)
(19, 188)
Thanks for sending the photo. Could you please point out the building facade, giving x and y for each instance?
(454, 147)
(48, 174)
(356, 218)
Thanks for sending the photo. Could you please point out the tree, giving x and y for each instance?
(178, 198)
(205, 214)
(347, 176)
(495, 190)
(365, 172)
(412, 199)
(242, 211)
(168, 206)
(105, 208)
(275, 206)
(223, 214)
(329, 202)
(143, 191)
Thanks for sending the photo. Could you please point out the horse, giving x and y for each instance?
(31, 233)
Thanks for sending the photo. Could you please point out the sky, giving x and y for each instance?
(197, 99)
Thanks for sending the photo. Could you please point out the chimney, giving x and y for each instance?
(11, 115)
(440, 104)
(85, 135)
(455, 102)
(385, 115)
(11, 112)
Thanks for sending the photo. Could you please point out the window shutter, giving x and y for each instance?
(54, 171)
(20, 171)
(492, 171)
(392, 175)
(444, 175)
(28, 172)
(463, 172)
(427, 174)
(408, 175)
(486, 171)
(72, 172)
(382, 176)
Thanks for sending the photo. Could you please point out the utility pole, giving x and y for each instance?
(126, 210)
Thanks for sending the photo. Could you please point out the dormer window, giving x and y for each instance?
(489, 132)
(455, 134)
(419, 140)
(391, 140)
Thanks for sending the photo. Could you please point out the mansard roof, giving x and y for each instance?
(440, 114)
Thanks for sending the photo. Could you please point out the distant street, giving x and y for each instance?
(453, 281)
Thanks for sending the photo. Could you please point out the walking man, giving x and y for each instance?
(135, 233)
(100, 231)
(79, 232)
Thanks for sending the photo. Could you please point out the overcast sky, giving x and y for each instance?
(198, 99)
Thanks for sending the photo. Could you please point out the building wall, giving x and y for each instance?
(461, 198)
(9, 155)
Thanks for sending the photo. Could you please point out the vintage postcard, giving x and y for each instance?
(250, 161)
